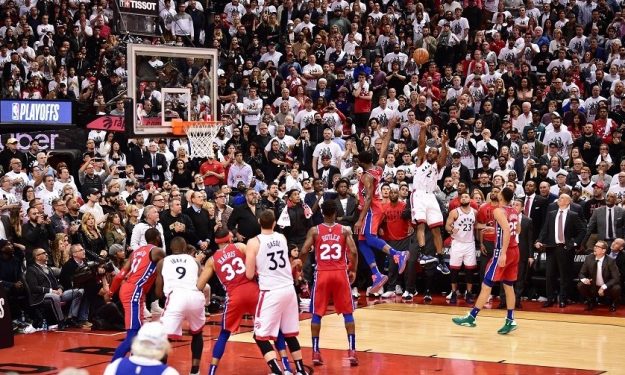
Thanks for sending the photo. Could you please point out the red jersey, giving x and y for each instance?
(513, 219)
(142, 268)
(394, 226)
(230, 267)
(376, 200)
(214, 166)
(330, 248)
(485, 216)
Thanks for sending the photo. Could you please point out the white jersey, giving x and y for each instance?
(465, 224)
(272, 262)
(425, 177)
(180, 271)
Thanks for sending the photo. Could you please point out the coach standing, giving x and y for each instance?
(562, 232)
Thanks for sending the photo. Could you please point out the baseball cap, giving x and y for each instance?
(599, 185)
(11, 140)
(506, 118)
(574, 99)
(514, 130)
(93, 191)
(153, 333)
(553, 144)
(562, 173)
(555, 114)
(576, 188)
(455, 155)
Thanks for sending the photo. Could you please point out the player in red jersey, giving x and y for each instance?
(504, 265)
(332, 277)
(486, 237)
(228, 263)
(371, 213)
(138, 275)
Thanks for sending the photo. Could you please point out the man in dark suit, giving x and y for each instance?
(575, 207)
(521, 161)
(561, 234)
(607, 221)
(154, 164)
(347, 205)
(43, 285)
(599, 277)
(303, 151)
(616, 253)
(203, 225)
(535, 207)
(465, 174)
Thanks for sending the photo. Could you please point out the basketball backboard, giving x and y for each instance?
(167, 82)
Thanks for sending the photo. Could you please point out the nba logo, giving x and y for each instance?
(15, 111)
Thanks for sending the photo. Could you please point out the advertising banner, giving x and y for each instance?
(142, 7)
(108, 123)
(36, 112)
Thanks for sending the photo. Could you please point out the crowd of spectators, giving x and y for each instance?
(530, 93)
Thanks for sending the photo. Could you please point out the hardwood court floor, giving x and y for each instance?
(392, 338)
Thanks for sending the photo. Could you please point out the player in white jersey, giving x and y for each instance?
(461, 226)
(177, 280)
(277, 309)
(425, 208)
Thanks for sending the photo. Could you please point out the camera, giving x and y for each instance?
(88, 273)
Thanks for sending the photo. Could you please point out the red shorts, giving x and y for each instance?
(371, 224)
(332, 285)
(508, 272)
(241, 301)
(133, 299)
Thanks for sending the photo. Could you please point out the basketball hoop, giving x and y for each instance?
(201, 135)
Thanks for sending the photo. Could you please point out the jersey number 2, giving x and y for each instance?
(231, 270)
(329, 252)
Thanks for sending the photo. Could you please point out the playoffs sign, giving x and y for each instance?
(143, 7)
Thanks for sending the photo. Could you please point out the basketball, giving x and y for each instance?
(420, 56)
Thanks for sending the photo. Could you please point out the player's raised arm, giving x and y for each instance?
(386, 140)
(442, 156)
(421, 148)
(311, 236)
(207, 273)
(250, 257)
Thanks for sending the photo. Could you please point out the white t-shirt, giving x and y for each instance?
(332, 149)
(312, 69)
(47, 197)
(305, 118)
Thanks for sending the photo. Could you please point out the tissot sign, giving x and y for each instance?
(39, 112)
(144, 7)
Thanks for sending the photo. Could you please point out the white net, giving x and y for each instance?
(201, 136)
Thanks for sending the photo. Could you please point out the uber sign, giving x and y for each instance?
(144, 7)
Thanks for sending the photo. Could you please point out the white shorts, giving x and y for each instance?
(462, 253)
(277, 310)
(425, 209)
(184, 305)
